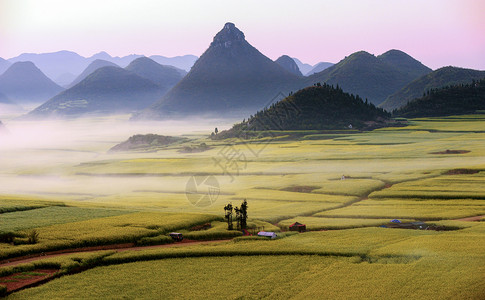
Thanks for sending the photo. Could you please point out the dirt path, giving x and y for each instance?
(471, 219)
(117, 248)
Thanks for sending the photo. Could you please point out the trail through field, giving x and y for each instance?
(472, 219)
(116, 247)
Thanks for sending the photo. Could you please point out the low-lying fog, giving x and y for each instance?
(36, 156)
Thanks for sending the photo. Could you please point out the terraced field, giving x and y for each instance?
(344, 186)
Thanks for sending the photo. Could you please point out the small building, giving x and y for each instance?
(298, 227)
(176, 236)
(267, 234)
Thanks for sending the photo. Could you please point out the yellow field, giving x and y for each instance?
(340, 183)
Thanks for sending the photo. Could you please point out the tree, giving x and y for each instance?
(216, 130)
(228, 216)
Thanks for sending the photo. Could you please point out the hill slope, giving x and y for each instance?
(164, 76)
(436, 79)
(231, 76)
(320, 107)
(288, 64)
(374, 78)
(108, 90)
(98, 63)
(3, 98)
(23, 82)
(452, 100)
(404, 63)
(4, 65)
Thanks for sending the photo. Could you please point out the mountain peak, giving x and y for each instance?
(228, 35)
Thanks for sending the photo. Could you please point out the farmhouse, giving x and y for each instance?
(298, 227)
(268, 234)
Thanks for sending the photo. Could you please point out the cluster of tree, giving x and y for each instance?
(319, 107)
(241, 215)
(446, 101)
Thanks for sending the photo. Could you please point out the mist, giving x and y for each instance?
(38, 157)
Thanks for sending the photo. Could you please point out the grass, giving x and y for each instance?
(318, 277)
(126, 228)
(316, 223)
(52, 215)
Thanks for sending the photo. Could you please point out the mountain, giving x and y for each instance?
(230, 77)
(405, 63)
(164, 76)
(4, 99)
(55, 64)
(184, 62)
(320, 107)
(442, 77)
(65, 79)
(23, 82)
(374, 78)
(452, 100)
(288, 64)
(319, 68)
(98, 63)
(4, 65)
(107, 90)
(119, 61)
(304, 68)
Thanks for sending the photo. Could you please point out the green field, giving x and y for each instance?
(348, 184)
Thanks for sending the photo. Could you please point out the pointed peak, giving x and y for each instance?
(229, 34)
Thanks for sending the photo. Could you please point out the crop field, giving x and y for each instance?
(369, 254)
(346, 184)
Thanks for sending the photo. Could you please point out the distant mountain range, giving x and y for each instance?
(4, 65)
(288, 64)
(371, 77)
(320, 107)
(304, 68)
(319, 68)
(98, 63)
(112, 89)
(452, 100)
(63, 66)
(440, 78)
(184, 62)
(4, 99)
(23, 82)
(231, 77)
(164, 76)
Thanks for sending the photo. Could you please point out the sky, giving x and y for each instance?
(436, 32)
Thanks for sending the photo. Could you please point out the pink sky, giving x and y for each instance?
(436, 32)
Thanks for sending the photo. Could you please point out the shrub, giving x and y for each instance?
(3, 290)
(156, 240)
(33, 236)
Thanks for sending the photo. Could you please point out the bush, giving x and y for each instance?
(3, 290)
(8, 237)
(212, 234)
(33, 237)
(156, 240)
